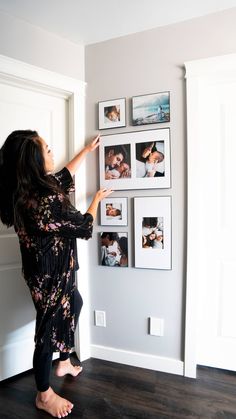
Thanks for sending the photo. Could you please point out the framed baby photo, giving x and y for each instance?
(151, 109)
(152, 224)
(113, 249)
(135, 160)
(114, 211)
(111, 114)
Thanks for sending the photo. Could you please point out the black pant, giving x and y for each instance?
(42, 361)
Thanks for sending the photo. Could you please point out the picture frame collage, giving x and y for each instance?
(136, 160)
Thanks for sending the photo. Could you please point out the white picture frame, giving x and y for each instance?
(152, 227)
(112, 113)
(114, 211)
(138, 173)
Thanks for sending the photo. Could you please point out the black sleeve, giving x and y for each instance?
(65, 180)
(50, 218)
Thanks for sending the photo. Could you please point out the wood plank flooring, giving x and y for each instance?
(107, 390)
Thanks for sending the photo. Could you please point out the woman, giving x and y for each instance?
(37, 204)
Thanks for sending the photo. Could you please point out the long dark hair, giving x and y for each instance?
(22, 175)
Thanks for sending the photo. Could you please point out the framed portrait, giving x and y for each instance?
(151, 109)
(114, 211)
(113, 249)
(152, 223)
(135, 160)
(111, 114)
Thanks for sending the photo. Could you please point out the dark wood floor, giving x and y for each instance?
(106, 390)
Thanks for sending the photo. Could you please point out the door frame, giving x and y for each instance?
(197, 74)
(17, 73)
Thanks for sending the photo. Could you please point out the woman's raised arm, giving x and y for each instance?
(73, 165)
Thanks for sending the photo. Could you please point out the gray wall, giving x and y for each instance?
(28, 43)
(143, 63)
(138, 64)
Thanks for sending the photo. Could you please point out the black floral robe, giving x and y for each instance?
(49, 259)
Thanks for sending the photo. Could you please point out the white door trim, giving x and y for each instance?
(14, 70)
(197, 72)
(19, 73)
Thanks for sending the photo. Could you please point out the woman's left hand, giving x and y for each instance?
(73, 165)
(93, 144)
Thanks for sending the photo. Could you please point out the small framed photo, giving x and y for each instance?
(111, 114)
(114, 211)
(152, 221)
(114, 249)
(151, 109)
(135, 160)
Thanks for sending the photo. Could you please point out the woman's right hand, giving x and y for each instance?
(99, 196)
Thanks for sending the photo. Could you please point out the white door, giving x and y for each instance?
(24, 109)
(217, 151)
(211, 264)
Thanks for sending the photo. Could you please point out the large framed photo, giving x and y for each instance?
(152, 221)
(114, 211)
(135, 160)
(111, 114)
(114, 249)
(151, 109)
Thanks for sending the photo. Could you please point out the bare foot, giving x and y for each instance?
(53, 404)
(65, 367)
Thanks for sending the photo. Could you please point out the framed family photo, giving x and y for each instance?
(135, 160)
(152, 221)
(114, 249)
(151, 109)
(114, 211)
(111, 114)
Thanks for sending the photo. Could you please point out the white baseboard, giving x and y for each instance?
(136, 359)
(17, 357)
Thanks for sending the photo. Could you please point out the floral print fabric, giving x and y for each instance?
(49, 260)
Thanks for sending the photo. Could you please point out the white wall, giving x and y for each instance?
(142, 63)
(28, 43)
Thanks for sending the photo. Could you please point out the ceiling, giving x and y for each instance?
(91, 21)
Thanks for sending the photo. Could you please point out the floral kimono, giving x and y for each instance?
(49, 259)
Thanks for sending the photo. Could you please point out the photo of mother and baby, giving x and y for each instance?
(152, 233)
(149, 160)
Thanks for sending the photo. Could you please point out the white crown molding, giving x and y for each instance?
(223, 64)
(15, 70)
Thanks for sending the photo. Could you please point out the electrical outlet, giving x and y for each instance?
(100, 318)
(156, 326)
